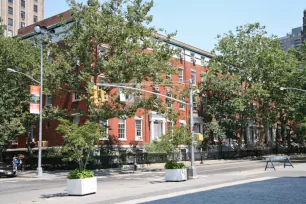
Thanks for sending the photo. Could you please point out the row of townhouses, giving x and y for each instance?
(145, 126)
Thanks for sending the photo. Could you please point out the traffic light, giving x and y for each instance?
(94, 98)
(103, 96)
(199, 137)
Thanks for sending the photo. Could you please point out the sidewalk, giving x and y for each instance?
(140, 191)
(62, 174)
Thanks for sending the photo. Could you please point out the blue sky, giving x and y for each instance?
(199, 21)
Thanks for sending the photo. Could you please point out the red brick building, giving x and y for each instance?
(146, 125)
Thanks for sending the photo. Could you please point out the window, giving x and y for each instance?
(193, 77)
(192, 58)
(35, 19)
(182, 106)
(202, 60)
(168, 101)
(138, 129)
(10, 10)
(76, 120)
(10, 33)
(10, 22)
(104, 132)
(22, 24)
(48, 100)
(170, 127)
(121, 128)
(122, 95)
(22, 4)
(36, 0)
(194, 106)
(22, 14)
(75, 97)
(35, 8)
(180, 75)
(10, 1)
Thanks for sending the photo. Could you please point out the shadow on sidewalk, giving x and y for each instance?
(55, 195)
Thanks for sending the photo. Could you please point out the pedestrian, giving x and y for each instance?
(20, 164)
(14, 164)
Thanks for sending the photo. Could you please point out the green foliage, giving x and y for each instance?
(14, 88)
(245, 79)
(204, 144)
(2, 27)
(171, 140)
(174, 165)
(80, 141)
(216, 131)
(80, 174)
(124, 27)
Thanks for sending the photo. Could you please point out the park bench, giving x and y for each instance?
(272, 159)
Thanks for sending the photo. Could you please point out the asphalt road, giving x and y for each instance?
(275, 191)
(31, 189)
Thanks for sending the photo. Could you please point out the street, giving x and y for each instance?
(236, 182)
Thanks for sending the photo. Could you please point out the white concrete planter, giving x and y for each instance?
(81, 186)
(176, 174)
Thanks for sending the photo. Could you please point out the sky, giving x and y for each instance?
(198, 22)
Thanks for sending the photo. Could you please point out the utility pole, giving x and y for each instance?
(191, 171)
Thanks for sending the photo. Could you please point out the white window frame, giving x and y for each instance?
(75, 97)
(180, 75)
(168, 101)
(119, 119)
(76, 120)
(10, 33)
(122, 95)
(35, 6)
(48, 100)
(194, 106)
(181, 105)
(193, 73)
(138, 138)
(202, 60)
(101, 122)
(182, 122)
(192, 58)
(170, 130)
(10, 20)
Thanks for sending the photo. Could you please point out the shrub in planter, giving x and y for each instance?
(175, 171)
(80, 142)
(79, 174)
(174, 165)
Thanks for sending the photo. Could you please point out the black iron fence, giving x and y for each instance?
(116, 161)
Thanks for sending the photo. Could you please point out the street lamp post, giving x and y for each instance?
(42, 30)
(192, 171)
(289, 88)
(14, 71)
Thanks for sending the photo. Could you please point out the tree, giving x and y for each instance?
(122, 27)
(168, 142)
(2, 27)
(245, 77)
(80, 141)
(15, 118)
(14, 89)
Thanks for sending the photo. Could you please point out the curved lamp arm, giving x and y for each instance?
(14, 71)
